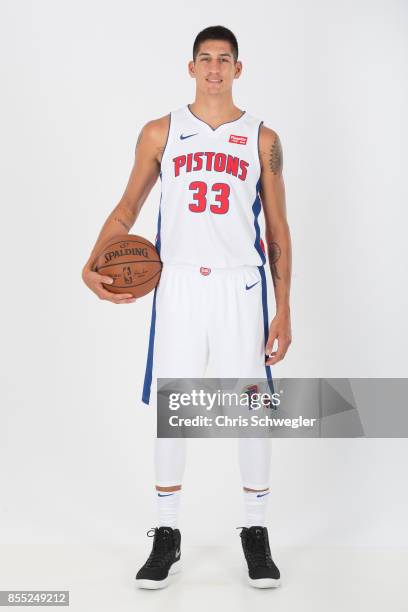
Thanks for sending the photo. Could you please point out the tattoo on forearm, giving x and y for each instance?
(274, 253)
(276, 156)
(119, 220)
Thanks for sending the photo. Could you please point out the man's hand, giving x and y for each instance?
(94, 281)
(146, 169)
(279, 330)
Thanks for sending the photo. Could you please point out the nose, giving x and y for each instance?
(214, 66)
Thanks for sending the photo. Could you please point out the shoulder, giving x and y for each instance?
(156, 130)
(270, 150)
(153, 137)
(268, 137)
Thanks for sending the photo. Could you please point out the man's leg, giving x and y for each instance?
(237, 348)
(181, 351)
(177, 349)
(254, 462)
(169, 460)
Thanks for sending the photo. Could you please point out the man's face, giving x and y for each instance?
(214, 68)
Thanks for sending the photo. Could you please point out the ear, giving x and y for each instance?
(191, 69)
(238, 70)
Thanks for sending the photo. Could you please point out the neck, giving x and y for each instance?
(215, 109)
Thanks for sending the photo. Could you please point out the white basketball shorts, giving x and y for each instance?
(204, 317)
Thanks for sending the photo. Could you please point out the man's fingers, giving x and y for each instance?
(275, 357)
(108, 280)
(269, 344)
(278, 355)
(117, 298)
(93, 277)
(96, 282)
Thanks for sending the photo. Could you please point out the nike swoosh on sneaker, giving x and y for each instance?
(188, 136)
(177, 553)
(250, 286)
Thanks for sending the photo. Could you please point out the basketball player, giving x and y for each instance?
(219, 166)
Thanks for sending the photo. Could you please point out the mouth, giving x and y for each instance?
(214, 81)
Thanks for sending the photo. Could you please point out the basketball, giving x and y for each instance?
(133, 262)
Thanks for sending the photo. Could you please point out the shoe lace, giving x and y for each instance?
(162, 544)
(257, 547)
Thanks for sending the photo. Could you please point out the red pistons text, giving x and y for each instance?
(218, 162)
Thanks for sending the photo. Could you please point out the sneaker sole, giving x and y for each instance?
(264, 583)
(143, 583)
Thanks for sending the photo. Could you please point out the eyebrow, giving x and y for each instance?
(220, 54)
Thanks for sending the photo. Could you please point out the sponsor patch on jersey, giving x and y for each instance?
(238, 139)
(205, 271)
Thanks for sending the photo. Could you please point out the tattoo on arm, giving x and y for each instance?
(119, 220)
(274, 253)
(276, 156)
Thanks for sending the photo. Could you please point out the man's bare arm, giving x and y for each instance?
(146, 169)
(277, 237)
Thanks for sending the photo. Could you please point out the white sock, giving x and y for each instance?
(255, 503)
(168, 503)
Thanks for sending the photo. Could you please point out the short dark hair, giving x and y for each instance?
(216, 33)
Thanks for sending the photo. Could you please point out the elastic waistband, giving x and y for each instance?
(209, 271)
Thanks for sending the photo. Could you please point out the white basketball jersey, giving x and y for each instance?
(210, 180)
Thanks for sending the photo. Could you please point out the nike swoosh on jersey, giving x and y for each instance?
(188, 136)
(165, 494)
(250, 286)
(262, 495)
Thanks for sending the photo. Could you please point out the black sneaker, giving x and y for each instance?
(262, 571)
(163, 560)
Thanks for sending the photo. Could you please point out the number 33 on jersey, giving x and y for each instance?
(210, 203)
